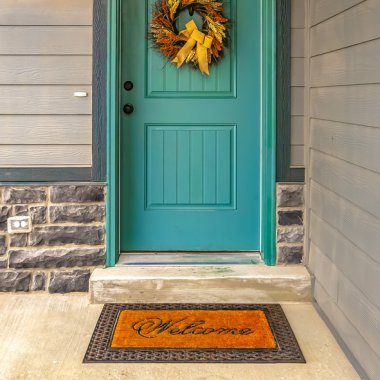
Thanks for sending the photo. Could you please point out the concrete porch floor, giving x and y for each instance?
(45, 337)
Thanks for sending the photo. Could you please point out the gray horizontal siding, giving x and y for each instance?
(47, 40)
(46, 129)
(44, 100)
(45, 12)
(322, 10)
(349, 27)
(45, 69)
(344, 171)
(45, 56)
(297, 82)
(357, 64)
(352, 105)
(363, 271)
(352, 337)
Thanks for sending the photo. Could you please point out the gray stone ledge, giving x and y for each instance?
(15, 281)
(5, 213)
(290, 235)
(21, 210)
(67, 282)
(56, 258)
(77, 194)
(59, 235)
(290, 218)
(38, 214)
(24, 195)
(39, 281)
(3, 245)
(18, 240)
(290, 196)
(76, 214)
(290, 254)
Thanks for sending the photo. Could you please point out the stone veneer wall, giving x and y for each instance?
(68, 237)
(66, 243)
(290, 223)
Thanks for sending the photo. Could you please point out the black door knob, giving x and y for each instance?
(128, 108)
(128, 85)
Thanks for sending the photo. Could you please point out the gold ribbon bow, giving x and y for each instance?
(194, 36)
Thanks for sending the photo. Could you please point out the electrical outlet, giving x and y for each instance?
(19, 225)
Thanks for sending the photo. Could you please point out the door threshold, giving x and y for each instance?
(189, 259)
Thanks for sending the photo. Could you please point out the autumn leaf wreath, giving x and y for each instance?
(199, 48)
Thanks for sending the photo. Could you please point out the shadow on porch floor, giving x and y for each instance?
(45, 337)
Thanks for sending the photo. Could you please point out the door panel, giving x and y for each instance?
(164, 80)
(190, 167)
(190, 152)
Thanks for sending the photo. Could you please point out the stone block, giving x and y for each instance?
(39, 281)
(290, 218)
(18, 240)
(290, 196)
(56, 258)
(38, 214)
(58, 235)
(15, 281)
(3, 245)
(76, 214)
(289, 255)
(3, 263)
(21, 210)
(5, 213)
(76, 194)
(67, 282)
(26, 195)
(290, 235)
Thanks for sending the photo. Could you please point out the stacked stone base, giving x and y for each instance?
(66, 243)
(290, 223)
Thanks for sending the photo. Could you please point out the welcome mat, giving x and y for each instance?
(193, 333)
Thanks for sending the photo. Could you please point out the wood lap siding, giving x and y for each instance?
(324, 9)
(297, 83)
(42, 69)
(46, 12)
(45, 56)
(344, 170)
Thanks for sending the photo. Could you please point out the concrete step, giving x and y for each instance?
(200, 284)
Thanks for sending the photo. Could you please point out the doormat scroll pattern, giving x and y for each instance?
(189, 333)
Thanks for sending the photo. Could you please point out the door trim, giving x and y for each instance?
(268, 132)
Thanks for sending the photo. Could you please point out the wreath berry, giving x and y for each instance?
(197, 47)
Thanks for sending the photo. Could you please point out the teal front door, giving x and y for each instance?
(190, 161)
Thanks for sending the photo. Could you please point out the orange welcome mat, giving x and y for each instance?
(239, 333)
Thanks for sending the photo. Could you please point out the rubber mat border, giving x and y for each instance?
(100, 351)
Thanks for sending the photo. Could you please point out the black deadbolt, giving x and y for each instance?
(128, 85)
(128, 108)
